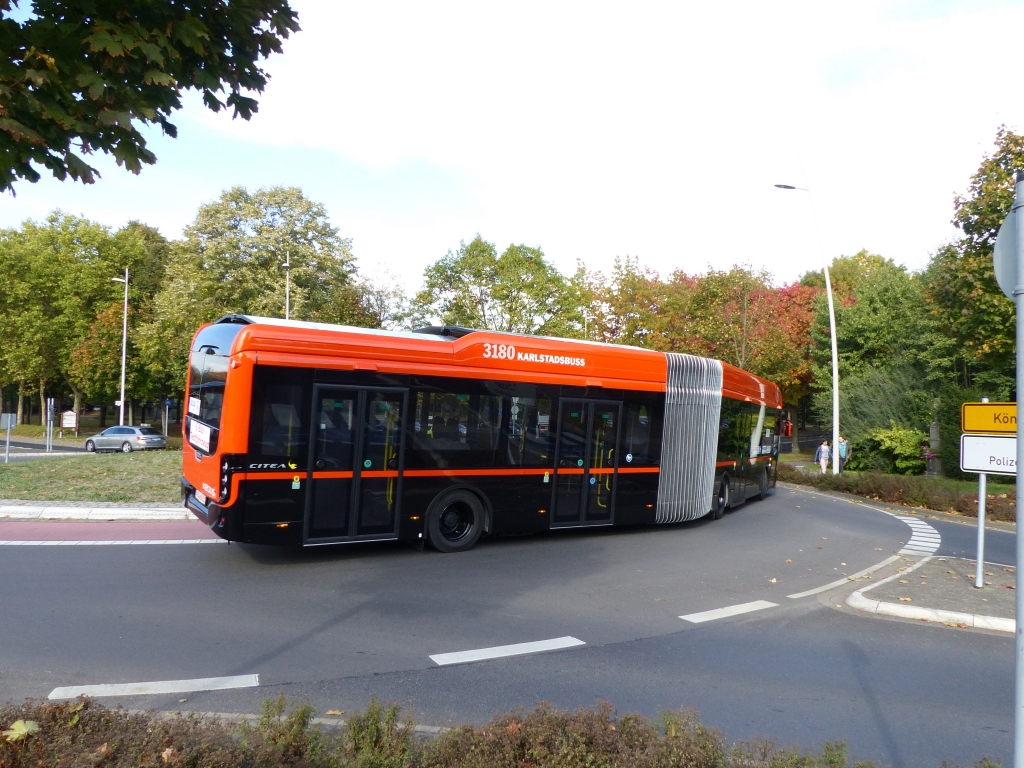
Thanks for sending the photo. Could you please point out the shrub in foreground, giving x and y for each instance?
(84, 733)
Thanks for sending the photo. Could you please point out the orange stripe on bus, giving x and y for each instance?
(317, 475)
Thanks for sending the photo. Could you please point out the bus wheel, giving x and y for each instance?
(722, 500)
(762, 486)
(455, 522)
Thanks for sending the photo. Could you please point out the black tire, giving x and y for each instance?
(721, 500)
(762, 485)
(126, 447)
(455, 521)
(90, 446)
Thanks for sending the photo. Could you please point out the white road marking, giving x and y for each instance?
(924, 540)
(518, 649)
(846, 580)
(107, 543)
(161, 686)
(732, 610)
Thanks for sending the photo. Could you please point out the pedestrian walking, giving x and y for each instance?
(823, 455)
(843, 449)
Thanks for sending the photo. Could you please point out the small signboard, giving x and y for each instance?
(991, 454)
(989, 418)
(7, 420)
(69, 420)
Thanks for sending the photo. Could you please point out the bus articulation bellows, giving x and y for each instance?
(307, 433)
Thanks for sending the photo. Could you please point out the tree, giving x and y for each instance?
(56, 278)
(881, 321)
(86, 73)
(976, 339)
(232, 260)
(518, 291)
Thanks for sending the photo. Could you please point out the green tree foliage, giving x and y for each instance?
(881, 318)
(55, 279)
(81, 76)
(976, 342)
(518, 291)
(232, 259)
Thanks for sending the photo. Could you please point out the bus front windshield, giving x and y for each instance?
(208, 372)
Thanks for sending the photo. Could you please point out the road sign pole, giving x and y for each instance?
(979, 570)
(1018, 297)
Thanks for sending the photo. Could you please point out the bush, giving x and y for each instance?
(84, 733)
(912, 491)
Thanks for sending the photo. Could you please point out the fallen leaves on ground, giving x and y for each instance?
(906, 599)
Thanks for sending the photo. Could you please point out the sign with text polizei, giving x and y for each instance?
(991, 454)
(989, 418)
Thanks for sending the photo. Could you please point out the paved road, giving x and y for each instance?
(27, 450)
(338, 625)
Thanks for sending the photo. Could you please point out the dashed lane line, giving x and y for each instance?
(732, 610)
(160, 686)
(500, 651)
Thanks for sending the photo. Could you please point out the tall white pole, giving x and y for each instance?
(287, 285)
(1018, 295)
(979, 571)
(124, 341)
(832, 332)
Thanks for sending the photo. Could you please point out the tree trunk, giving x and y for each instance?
(79, 397)
(131, 413)
(42, 403)
(796, 435)
(21, 402)
(103, 416)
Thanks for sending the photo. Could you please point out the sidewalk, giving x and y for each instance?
(934, 588)
(15, 509)
(941, 590)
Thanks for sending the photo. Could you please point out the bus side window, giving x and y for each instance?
(638, 447)
(530, 440)
(281, 431)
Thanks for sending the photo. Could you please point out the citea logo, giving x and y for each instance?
(289, 465)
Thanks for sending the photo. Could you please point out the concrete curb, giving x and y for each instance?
(861, 603)
(244, 717)
(55, 512)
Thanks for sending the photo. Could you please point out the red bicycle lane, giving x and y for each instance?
(114, 530)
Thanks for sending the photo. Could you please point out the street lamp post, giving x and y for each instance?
(124, 337)
(287, 285)
(832, 329)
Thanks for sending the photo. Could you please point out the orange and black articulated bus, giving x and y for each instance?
(307, 433)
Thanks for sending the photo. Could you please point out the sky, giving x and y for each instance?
(598, 130)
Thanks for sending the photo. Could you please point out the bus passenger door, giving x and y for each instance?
(355, 464)
(586, 463)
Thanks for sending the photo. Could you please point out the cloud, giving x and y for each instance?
(598, 129)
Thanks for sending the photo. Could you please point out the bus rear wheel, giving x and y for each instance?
(721, 500)
(455, 522)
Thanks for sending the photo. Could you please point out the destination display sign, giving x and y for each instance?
(989, 418)
(991, 454)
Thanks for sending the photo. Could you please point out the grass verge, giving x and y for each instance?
(84, 733)
(143, 477)
(938, 493)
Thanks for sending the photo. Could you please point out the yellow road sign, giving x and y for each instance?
(997, 418)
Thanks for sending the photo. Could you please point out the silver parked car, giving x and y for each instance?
(126, 439)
